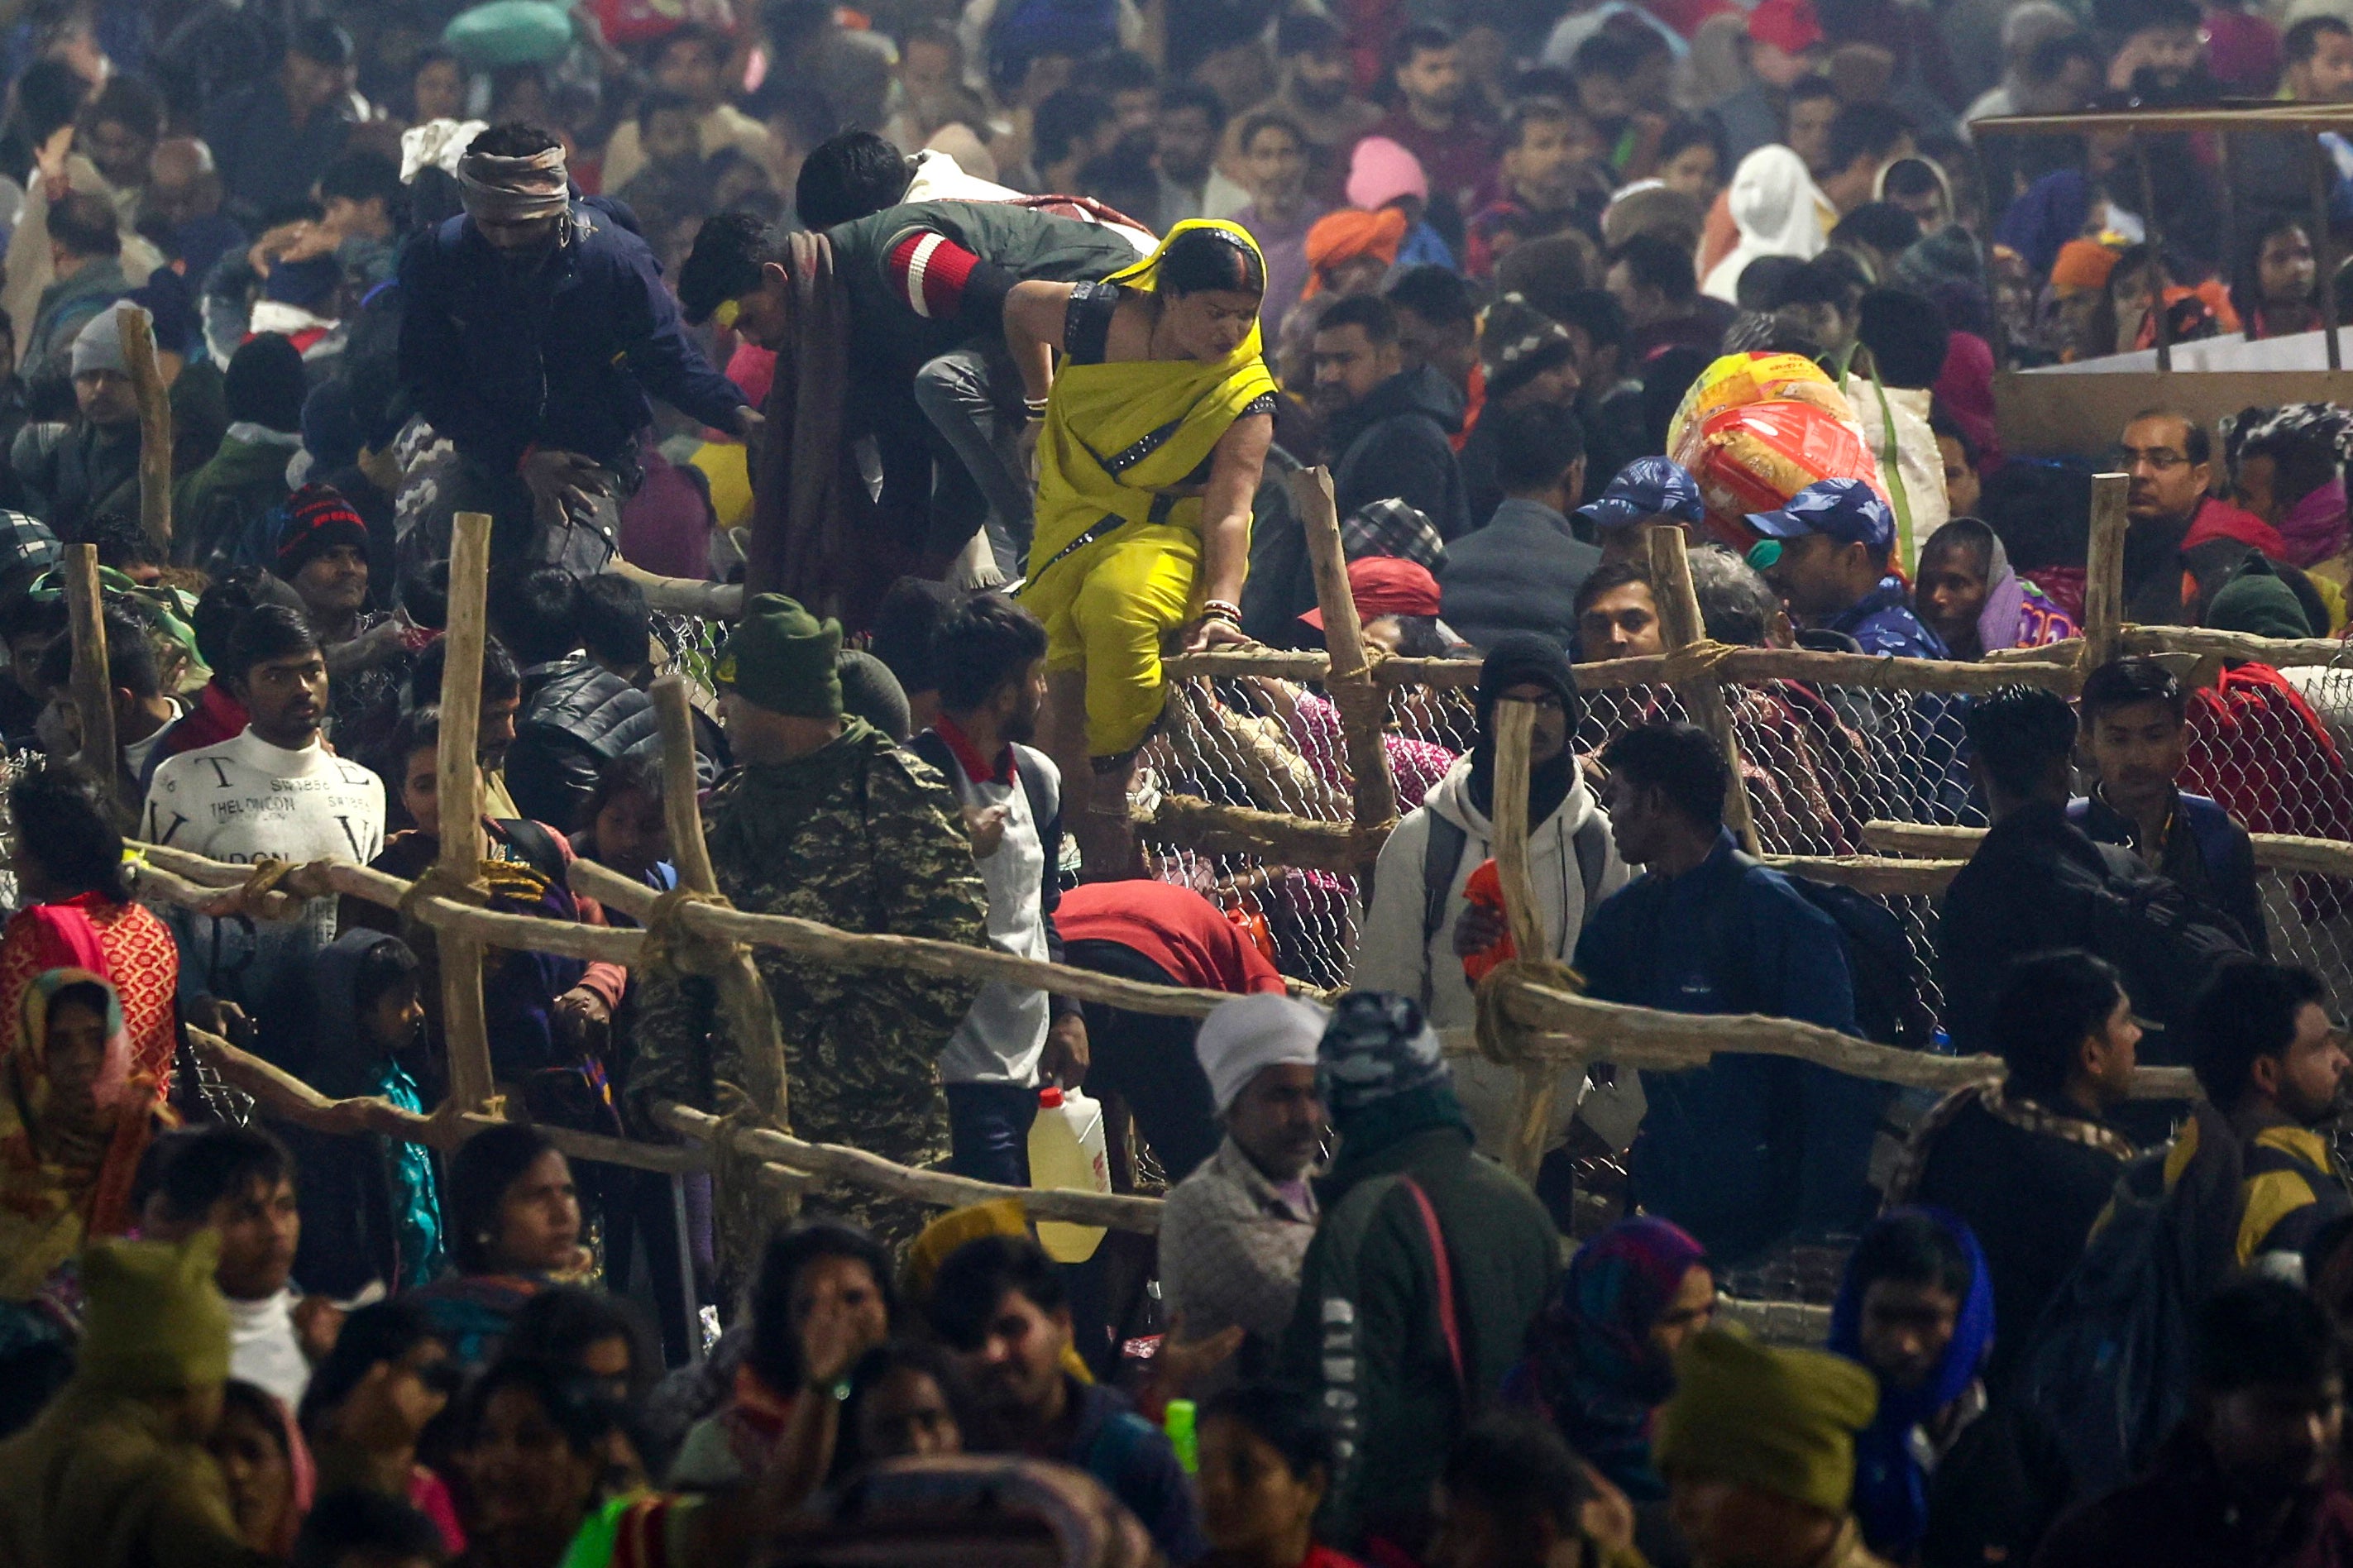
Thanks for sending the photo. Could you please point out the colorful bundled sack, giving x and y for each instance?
(1756, 429)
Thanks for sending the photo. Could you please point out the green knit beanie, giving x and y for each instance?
(782, 659)
(2261, 603)
(153, 1321)
(1783, 1421)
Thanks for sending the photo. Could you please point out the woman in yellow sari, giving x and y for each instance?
(74, 1120)
(1157, 427)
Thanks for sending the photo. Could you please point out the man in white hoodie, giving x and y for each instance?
(1419, 923)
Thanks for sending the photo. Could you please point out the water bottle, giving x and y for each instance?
(1066, 1150)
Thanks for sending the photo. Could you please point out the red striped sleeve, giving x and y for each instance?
(930, 271)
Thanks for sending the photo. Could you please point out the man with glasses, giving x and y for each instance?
(2183, 544)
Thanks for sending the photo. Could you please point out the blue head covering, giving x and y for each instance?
(2051, 212)
(1891, 1489)
(1591, 1363)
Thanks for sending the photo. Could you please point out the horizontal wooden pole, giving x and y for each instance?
(2282, 852)
(2255, 117)
(1212, 828)
(1584, 1027)
(1114, 1210)
(2204, 642)
(683, 595)
(1883, 877)
(1740, 665)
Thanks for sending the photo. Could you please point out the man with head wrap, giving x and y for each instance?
(1235, 1230)
(1420, 921)
(1416, 1293)
(536, 327)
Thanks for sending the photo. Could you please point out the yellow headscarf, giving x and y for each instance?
(1001, 1217)
(1098, 412)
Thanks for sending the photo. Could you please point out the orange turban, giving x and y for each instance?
(2083, 264)
(1347, 235)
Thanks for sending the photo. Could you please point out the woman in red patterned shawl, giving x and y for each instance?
(67, 859)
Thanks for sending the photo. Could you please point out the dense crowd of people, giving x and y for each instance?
(982, 344)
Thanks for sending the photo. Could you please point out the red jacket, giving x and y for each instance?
(1174, 928)
(2256, 746)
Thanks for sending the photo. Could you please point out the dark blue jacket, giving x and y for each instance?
(1747, 1149)
(1925, 735)
(563, 355)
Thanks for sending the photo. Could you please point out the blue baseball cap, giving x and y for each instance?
(1842, 509)
(1646, 487)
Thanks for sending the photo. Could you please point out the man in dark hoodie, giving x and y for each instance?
(1522, 571)
(1416, 1293)
(1388, 429)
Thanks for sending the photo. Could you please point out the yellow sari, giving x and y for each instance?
(1118, 547)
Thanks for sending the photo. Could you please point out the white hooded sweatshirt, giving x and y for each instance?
(1391, 954)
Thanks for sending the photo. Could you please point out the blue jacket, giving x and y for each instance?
(563, 355)
(1925, 735)
(1747, 1149)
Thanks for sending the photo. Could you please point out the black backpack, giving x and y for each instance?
(2110, 1364)
(2165, 944)
(1891, 984)
(1442, 856)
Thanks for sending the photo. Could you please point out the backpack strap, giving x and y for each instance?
(1448, 1324)
(1116, 1441)
(1592, 844)
(934, 749)
(1045, 799)
(1442, 856)
(535, 846)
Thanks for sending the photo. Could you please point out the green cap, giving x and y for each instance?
(782, 659)
(1783, 1421)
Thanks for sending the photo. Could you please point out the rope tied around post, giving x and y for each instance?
(437, 881)
(672, 944)
(1503, 1039)
(1697, 660)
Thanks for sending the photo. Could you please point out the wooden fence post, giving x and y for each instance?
(465, 1026)
(1532, 1101)
(154, 426)
(2103, 576)
(1349, 675)
(93, 681)
(1680, 625)
(743, 996)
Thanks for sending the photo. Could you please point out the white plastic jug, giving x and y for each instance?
(1066, 1150)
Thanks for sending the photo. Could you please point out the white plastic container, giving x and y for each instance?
(1066, 1150)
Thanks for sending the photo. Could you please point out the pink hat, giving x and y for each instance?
(1381, 170)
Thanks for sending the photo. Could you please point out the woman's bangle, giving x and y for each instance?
(1220, 610)
(1036, 405)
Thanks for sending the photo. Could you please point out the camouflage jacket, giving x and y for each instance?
(862, 837)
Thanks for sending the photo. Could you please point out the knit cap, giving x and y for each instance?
(99, 345)
(1782, 1421)
(1376, 1046)
(26, 544)
(264, 382)
(1241, 1037)
(2259, 604)
(1518, 342)
(318, 518)
(782, 659)
(154, 1321)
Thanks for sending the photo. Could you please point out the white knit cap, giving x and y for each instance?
(99, 345)
(1250, 1033)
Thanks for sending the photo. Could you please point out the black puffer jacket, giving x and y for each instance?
(576, 717)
